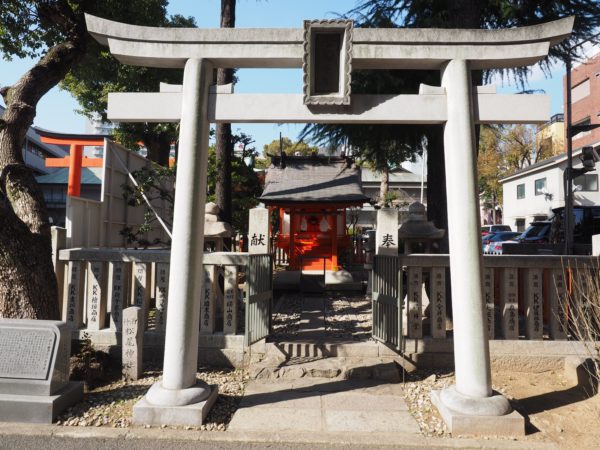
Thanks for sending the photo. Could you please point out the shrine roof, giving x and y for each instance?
(313, 179)
(61, 176)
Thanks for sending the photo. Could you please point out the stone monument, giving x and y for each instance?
(34, 370)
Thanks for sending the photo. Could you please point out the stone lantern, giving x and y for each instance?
(214, 230)
(417, 232)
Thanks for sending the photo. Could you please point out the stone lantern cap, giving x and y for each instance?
(417, 227)
(212, 226)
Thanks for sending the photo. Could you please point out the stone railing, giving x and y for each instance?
(100, 283)
(526, 296)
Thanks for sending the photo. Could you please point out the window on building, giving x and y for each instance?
(521, 190)
(520, 224)
(587, 181)
(540, 186)
(586, 121)
(580, 91)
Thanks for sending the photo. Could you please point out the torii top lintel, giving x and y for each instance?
(406, 48)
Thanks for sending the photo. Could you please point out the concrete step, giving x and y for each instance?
(341, 368)
(332, 349)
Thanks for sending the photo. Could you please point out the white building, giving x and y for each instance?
(531, 193)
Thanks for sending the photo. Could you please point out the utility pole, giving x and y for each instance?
(568, 179)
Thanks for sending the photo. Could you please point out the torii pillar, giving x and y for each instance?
(179, 398)
(471, 398)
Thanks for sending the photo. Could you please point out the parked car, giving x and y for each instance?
(486, 229)
(536, 233)
(485, 240)
(493, 245)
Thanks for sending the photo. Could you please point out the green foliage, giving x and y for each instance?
(28, 28)
(288, 146)
(503, 150)
(245, 188)
(488, 14)
(100, 73)
(154, 183)
(389, 197)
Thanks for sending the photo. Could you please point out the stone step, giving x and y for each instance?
(383, 369)
(299, 349)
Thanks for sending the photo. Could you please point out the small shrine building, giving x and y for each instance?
(311, 195)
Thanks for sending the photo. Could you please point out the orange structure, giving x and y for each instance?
(75, 161)
(311, 195)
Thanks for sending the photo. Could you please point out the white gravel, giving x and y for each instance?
(112, 405)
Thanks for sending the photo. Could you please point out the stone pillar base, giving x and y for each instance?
(193, 414)
(489, 417)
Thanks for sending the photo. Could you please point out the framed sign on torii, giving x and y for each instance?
(329, 52)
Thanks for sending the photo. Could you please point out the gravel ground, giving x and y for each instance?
(416, 392)
(111, 405)
(348, 317)
(286, 318)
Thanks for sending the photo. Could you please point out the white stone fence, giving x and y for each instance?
(97, 284)
(526, 296)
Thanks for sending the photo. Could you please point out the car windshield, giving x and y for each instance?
(535, 230)
(488, 236)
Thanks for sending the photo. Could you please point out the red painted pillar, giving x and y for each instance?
(291, 253)
(334, 243)
(75, 162)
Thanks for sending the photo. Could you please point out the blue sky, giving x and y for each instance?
(56, 109)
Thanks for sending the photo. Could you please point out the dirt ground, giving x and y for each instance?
(556, 409)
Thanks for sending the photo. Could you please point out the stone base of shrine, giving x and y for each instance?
(512, 424)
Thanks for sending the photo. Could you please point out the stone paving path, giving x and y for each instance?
(322, 405)
(317, 405)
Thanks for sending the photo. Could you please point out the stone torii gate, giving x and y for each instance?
(328, 51)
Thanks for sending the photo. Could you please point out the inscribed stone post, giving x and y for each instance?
(510, 305)
(162, 289)
(438, 303)
(558, 294)
(117, 292)
(386, 236)
(72, 312)
(534, 320)
(230, 316)
(96, 295)
(488, 298)
(141, 288)
(132, 342)
(415, 301)
(258, 230)
(59, 241)
(207, 310)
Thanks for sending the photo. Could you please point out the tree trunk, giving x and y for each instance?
(158, 144)
(384, 185)
(436, 183)
(224, 146)
(28, 287)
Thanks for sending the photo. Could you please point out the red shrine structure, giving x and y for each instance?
(311, 195)
(75, 161)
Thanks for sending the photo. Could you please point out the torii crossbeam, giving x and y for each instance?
(328, 52)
